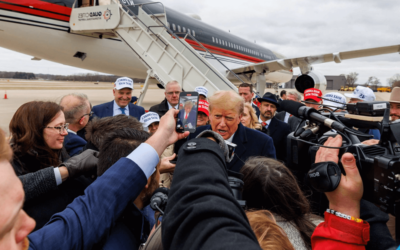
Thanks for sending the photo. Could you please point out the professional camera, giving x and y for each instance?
(379, 165)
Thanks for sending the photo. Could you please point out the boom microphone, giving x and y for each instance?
(301, 111)
(159, 200)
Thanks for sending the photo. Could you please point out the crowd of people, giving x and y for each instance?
(88, 175)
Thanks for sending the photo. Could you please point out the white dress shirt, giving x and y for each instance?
(287, 115)
(170, 106)
(230, 139)
(117, 111)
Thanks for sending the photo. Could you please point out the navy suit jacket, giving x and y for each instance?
(279, 131)
(191, 117)
(107, 109)
(250, 142)
(91, 216)
(73, 144)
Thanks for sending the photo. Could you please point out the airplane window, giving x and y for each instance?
(169, 26)
(219, 41)
(213, 39)
(173, 27)
(179, 28)
(189, 31)
(194, 34)
(184, 29)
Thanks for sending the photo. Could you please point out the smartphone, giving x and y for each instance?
(187, 117)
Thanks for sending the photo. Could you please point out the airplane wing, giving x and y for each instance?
(287, 64)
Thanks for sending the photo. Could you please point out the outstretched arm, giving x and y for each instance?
(91, 216)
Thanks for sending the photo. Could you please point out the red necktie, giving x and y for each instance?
(186, 116)
(264, 124)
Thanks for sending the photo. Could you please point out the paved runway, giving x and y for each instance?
(22, 91)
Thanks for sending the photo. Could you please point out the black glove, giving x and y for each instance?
(221, 142)
(84, 163)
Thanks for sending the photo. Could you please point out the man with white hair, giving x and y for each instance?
(172, 91)
(77, 111)
(122, 91)
(226, 109)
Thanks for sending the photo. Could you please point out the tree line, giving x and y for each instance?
(82, 77)
(373, 82)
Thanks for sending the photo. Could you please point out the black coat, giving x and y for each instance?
(43, 205)
(201, 212)
(250, 142)
(278, 130)
(281, 116)
(161, 108)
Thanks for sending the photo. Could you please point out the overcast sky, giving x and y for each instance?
(290, 27)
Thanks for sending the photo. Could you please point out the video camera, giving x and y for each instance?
(379, 164)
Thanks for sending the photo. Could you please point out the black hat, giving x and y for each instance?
(269, 97)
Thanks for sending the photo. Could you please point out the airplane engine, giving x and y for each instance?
(313, 79)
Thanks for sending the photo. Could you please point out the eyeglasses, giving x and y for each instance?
(90, 114)
(61, 129)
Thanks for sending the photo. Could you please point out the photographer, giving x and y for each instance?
(203, 214)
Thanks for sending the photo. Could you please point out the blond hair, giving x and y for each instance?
(5, 149)
(268, 233)
(226, 99)
(254, 124)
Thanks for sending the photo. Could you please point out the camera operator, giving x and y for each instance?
(202, 213)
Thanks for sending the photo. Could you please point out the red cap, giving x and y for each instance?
(203, 107)
(312, 94)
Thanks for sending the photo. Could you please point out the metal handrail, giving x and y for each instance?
(129, 11)
(196, 54)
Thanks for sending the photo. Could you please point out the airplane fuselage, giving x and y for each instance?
(41, 29)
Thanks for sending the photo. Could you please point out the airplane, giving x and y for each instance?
(41, 28)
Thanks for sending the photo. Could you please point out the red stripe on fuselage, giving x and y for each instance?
(57, 12)
(38, 8)
(224, 52)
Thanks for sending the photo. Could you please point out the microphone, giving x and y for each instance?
(159, 199)
(301, 111)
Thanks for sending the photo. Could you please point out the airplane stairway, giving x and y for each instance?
(167, 56)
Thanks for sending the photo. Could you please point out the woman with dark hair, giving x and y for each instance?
(268, 184)
(38, 130)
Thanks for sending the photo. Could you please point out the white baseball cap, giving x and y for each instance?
(201, 90)
(362, 93)
(149, 118)
(123, 82)
(331, 100)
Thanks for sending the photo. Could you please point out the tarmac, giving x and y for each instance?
(22, 91)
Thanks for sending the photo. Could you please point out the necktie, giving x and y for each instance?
(265, 124)
(186, 116)
(122, 110)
